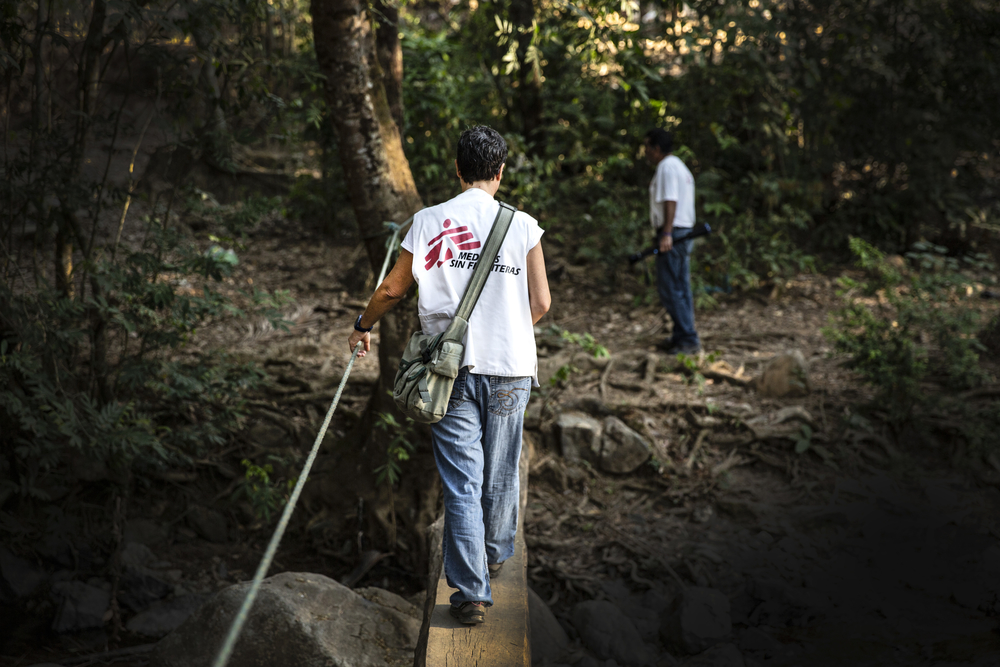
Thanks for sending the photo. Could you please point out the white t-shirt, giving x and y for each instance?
(672, 182)
(446, 241)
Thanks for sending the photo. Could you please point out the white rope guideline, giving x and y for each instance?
(265, 564)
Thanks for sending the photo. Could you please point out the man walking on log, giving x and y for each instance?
(671, 213)
(478, 442)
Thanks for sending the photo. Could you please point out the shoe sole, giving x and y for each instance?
(471, 618)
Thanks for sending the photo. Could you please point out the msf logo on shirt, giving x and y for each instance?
(443, 245)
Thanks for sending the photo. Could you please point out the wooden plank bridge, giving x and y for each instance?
(504, 639)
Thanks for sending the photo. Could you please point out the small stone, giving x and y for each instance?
(606, 631)
(784, 423)
(18, 577)
(268, 435)
(164, 617)
(702, 513)
(698, 619)
(184, 534)
(82, 606)
(785, 376)
(136, 555)
(722, 655)
(144, 531)
(755, 639)
(138, 590)
(579, 437)
(622, 449)
(209, 524)
(548, 639)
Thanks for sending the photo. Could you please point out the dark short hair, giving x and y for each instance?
(481, 153)
(661, 138)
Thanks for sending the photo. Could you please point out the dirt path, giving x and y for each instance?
(851, 553)
(853, 557)
(858, 556)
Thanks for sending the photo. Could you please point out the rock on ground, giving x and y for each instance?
(82, 606)
(548, 639)
(138, 590)
(622, 449)
(18, 577)
(606, 631)
(785, 376)
(722, 655)
(643, 609)
(298, 620)
(165, 616)
(698, 619)
(144, 531)
(209, 524)
(579, 437)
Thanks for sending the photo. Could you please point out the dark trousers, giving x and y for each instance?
(673, 282)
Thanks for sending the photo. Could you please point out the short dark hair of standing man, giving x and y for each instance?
(481, 153)
(662, 139)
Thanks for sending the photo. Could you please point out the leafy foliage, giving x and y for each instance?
(266, 496)
(97, 375)
(804, 124)
(903, 328)
(398, 451)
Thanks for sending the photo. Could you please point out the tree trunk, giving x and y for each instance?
(390, 57)
(381, 189)
(216, 128)
(529, 96)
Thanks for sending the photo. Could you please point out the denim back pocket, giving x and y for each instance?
(509, 395)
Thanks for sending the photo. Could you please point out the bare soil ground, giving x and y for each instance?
(863, 550)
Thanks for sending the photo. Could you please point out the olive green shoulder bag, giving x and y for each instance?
(430, 362)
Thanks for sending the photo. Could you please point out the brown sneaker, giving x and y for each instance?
(470, 613)
(494, 569)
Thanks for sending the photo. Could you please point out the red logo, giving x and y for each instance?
(459, 238)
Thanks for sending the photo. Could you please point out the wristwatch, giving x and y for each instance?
(358, 327)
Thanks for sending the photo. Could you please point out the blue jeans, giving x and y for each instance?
(673, 282)
(477, 446)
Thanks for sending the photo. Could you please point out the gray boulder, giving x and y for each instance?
(622, 449)
(755, 639)
(606, 631)
(722, 655)
(548, 639)
(579, 437)
(698, 619)
(81, 607)
(298, 620)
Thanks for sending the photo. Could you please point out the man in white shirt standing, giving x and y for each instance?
(671, 213)
(478, 442)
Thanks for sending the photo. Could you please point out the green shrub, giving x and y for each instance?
(106, 373)
(909, 331)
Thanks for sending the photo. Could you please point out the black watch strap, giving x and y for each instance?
(358, 327)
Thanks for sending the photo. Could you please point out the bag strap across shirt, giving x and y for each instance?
(483, 268)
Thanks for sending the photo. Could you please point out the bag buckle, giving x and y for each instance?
(428, 350)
